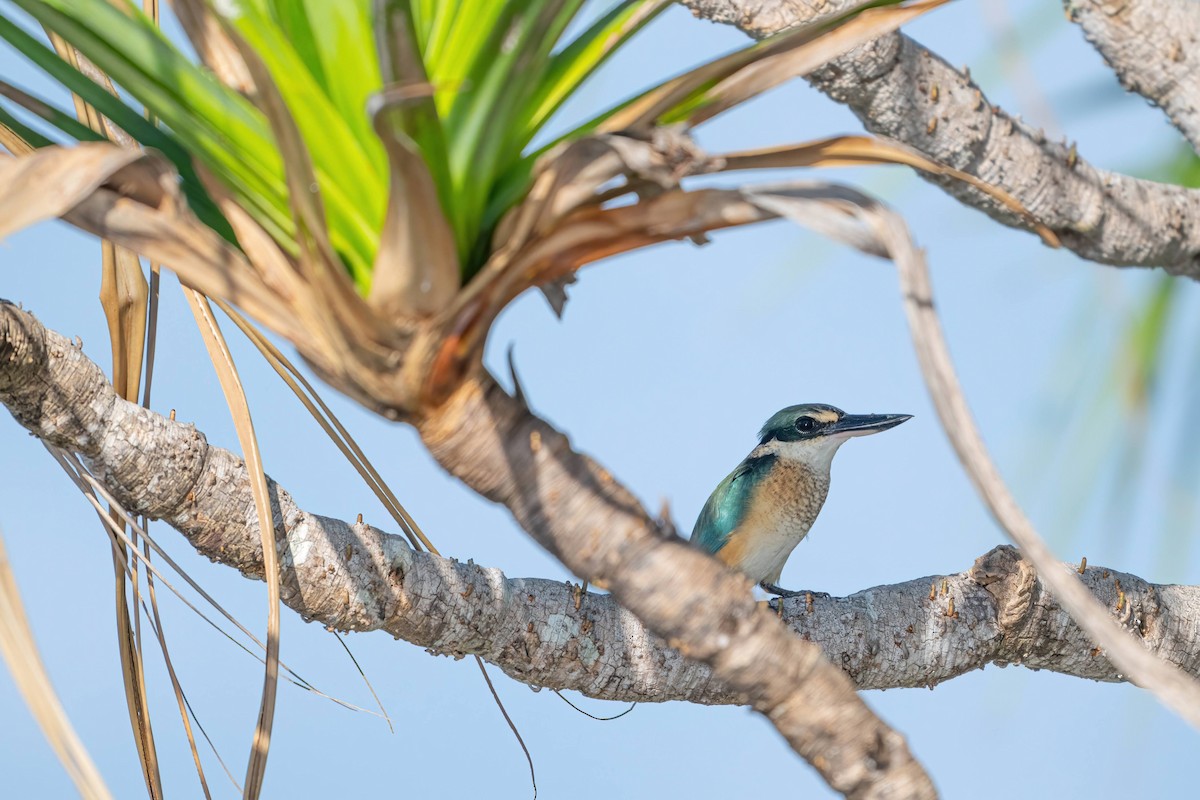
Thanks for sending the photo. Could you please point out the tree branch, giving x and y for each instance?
(575, 509)
(1153, 49)
(544, 633)
(165, 470)
(900, 89)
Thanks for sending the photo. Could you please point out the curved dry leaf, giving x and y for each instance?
(828, 44)
(158, 225)
(766, 64)
(854, 151)
(591, 234)
(829, 209)
(645, 110)
(1174, 688)
(239, 409)
(563, 178)
(572, 176)
(124, 295)
(588, 234)
(263, 253)
(212, 44)
(19, 649)
(416, 270)
(50, 181)
(132, 198)
(322, 344)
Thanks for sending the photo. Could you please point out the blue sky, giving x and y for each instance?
(664, 367)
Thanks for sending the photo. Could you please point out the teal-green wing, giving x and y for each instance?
(729, 502)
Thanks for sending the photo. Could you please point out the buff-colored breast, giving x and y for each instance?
(781, 512)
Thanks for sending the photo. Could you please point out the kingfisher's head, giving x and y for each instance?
(812, 433)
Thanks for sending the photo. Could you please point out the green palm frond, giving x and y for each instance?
(497, 71)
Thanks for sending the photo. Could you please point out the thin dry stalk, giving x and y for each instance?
(29, 673)
(235, 396)
(1171, 686)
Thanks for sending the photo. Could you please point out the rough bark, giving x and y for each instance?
(901, 90)
(1153, 49)
(507, 454)
(546, 633)
(576, 510)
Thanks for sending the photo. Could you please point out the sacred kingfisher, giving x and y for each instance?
(764, 508)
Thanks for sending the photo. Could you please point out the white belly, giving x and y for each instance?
(772, 545)
(785, 507)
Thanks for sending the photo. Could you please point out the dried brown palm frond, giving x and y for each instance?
(403, 345)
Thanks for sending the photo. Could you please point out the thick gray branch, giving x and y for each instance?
(901, 90)
(575, 509)
(356, 577)
(166, 470)
(1153, 48)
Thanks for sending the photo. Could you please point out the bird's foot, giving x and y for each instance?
(771, 588)
(776, 604)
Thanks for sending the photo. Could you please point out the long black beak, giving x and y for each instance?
(865, 424)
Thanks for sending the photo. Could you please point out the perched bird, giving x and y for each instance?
(761, 511)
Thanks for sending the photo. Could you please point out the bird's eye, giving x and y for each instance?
(806, 424)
